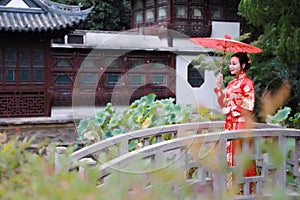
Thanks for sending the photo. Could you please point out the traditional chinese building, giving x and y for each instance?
(153, 57)
(96, 67)
(47, 61)
(26, 30)
(191, 17)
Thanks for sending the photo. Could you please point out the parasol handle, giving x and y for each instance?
(221, 66)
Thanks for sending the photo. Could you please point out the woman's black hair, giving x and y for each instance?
(244, 59)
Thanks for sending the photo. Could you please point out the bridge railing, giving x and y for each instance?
(144, 137)
(189, 140)
(183, 154)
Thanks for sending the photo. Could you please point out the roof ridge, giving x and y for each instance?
(58, 6)
(49, 5)
(52, 15)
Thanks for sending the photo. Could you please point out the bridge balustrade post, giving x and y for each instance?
(220, 176)
(59, 155)
(280, 173)
(296, 157)
(85, 162)
(123, 148)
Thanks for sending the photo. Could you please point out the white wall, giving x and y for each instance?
(219, 29)
(204, 95)
(17, 4)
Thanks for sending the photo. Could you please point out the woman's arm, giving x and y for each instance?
(218, 90)
(220, 96)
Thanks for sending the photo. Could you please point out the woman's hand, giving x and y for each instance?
(219, 80)
(225, 110)
(218, 90)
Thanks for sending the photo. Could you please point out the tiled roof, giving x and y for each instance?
(41, 15)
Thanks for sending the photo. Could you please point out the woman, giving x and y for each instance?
(237, 103)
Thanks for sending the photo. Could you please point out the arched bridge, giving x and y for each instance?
(198, 153)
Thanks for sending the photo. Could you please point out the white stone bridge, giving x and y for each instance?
(199, 149)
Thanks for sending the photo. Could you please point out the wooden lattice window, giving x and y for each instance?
(216, 13)
(139, 17)
(181, 11)
(10, 65)
(38, 65)
(63, 79)
(137, 64)
(197, 13)
(113, 63)
(137, 79)
(22, 66)
(159, 65)
(64, 63)
(159, 79)
(162, 12)
(150, 15)
(91, 63)
(112, 79)
(24, 61)
(87, 78)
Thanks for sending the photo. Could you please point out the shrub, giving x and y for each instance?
(142, 113)
(27, 175)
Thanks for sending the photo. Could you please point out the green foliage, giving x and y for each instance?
(284, 118)
(280, 61)
(106, 15)
(281, 115)
(143, 113)
(26, 175)
(161, 181)
(11, 158)
(201, 62)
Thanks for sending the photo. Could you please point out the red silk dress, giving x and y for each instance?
(238, 97)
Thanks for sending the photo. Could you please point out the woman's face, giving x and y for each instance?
(234, 66)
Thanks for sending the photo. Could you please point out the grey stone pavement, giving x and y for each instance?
(58, 115)
(59, 128)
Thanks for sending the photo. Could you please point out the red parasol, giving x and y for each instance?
(226, 44)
